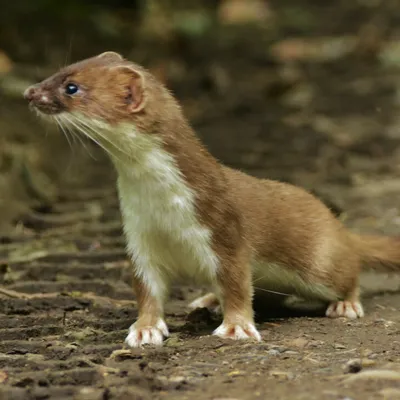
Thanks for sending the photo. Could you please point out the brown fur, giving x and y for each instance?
(248, 217)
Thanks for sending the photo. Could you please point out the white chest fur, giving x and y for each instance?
(164, 236)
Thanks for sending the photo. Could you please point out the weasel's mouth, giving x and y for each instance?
(45, 108)
(43, 100)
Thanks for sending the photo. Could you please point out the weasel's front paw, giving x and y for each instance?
(245, 330)
(154, 335)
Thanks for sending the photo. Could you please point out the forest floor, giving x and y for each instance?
(327, 122)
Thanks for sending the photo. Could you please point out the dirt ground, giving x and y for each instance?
(328, 123)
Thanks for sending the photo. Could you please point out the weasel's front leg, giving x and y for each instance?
(236, 292)
(150, 327)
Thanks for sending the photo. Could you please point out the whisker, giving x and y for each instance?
(69, 52)
(80, 139)
(272, 291)
(104, 137)
(84, 131)
(64, 132)
(83, 125)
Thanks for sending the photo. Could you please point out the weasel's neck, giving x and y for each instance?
(147, 160)
(150, 150)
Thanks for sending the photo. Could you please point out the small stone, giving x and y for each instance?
(315, 343)
(273, 352)
(353, 366)
(339, 346)
(172, 341)
(235, 373)
(299, 342)
(177, 379)
(88, 393)
(282, 375)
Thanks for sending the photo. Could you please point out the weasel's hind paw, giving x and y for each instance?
(151, 335)
(209, 301)
(347, 309)
(237, 331)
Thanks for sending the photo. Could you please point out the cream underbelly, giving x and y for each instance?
(185, 258)
(166, 240)
(273, 277)
(167, 243)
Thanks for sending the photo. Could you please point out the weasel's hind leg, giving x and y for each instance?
(209, 301)
(350, 307)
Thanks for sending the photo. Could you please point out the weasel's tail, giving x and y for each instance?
(379, 252)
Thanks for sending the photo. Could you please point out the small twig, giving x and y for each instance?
(13, 294)
(90, 296)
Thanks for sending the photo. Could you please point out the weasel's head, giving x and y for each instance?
(105, 87)
(110, 100)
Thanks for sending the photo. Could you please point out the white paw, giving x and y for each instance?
(237, 332)
(153, 335)
(347, 309)
(209, 301)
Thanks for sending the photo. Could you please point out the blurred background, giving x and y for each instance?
(303, 91)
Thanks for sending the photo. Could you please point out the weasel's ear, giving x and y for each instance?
(110, 55)
(135, 96)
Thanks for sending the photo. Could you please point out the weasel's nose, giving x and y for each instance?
(41, 98)
(29, 93)
(38, 96)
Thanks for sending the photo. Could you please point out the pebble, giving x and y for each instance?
(299, 342)
(353, 366)
(88, 393)
(282, 375)
(177, 379)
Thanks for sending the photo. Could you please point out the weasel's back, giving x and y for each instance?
(286, 224)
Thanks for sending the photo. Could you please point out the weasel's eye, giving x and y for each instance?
(71, 89)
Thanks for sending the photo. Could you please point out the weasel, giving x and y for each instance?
(187, 216)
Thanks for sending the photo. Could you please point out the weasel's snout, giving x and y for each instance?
(29, 93)
(37, 95)
(41, 99)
